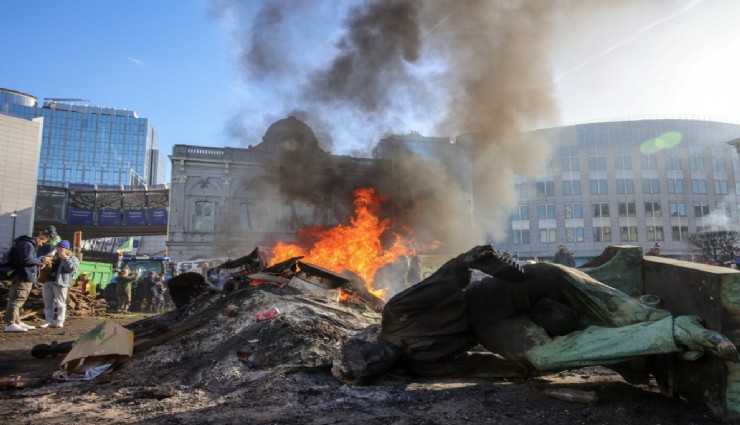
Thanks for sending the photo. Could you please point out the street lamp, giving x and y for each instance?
(15, 216)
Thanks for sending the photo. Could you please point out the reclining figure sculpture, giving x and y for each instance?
(538, 319)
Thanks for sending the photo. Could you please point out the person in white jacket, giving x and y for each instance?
(55, 290)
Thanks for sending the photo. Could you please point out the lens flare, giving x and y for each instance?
(664, 141)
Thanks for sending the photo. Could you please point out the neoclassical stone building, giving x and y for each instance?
(226, 201)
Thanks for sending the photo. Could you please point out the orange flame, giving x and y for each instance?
(345, 296)
(355, 247)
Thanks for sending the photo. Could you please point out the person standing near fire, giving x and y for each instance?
(56, 288)
(564, 256)
(82, 282)
(124, 282)
(25, 261)
(158, 290)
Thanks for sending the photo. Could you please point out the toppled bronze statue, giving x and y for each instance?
(532, 320)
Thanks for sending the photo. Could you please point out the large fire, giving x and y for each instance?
(355, 247)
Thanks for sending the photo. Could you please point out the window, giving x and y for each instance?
(652, 209)
(701, 209)
(650, 186)
(245, 219)
(718, 159)
(545, 212)
(678, 209)
(602, 234)
(680, 233)
(675, 186)
(654, 233)
(625, 186)
(720, 187)
(725, 208)
(203, 216)
(696, 159)
(628, 233)
(545, 189)
(569, 157)
(718, 164)
(673, 162)
(622, 158)
(648, 162)
(521, 237)
(521, 190)
(574, 234)
(596, 158)
(598, 187)
(573, 210)
(521, 213)
(698, 186)
(547, 235)
(601, 209)
(571, 187)
(627, 209)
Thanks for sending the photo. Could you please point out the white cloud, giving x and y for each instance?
(137, 61)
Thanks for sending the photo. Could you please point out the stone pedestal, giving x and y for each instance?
(712, 293)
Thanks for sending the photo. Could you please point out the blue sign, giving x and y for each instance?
(109, 217)
(158, 216)
(136, 217)
(79, 215)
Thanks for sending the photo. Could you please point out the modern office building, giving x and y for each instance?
(636, 182)
(90, 144)
(20, 142)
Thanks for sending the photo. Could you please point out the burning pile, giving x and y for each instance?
(356, 247)
(229, 339)
(292, 315)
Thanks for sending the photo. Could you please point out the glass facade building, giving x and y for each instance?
(90, 144)
(636, 182)
(641, 182)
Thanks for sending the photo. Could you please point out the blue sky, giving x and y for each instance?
(166, 60)
(188, 65)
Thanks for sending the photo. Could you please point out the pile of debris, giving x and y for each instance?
(226, 339)
(78, 304)
(287, 317)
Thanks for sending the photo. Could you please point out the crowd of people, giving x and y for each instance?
(148, 293)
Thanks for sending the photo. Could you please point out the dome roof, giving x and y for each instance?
(290, 129)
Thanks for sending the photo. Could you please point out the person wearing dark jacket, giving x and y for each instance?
(26, 264)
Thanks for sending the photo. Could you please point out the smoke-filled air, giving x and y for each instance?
(476, 71)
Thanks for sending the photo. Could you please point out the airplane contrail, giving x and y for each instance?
(680, 11)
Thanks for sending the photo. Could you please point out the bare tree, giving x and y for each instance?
(715, 246)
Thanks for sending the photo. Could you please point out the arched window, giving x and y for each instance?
(203, 217)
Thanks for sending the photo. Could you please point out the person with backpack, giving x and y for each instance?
(56, 288)
(25, 263)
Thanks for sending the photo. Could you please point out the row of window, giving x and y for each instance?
(601, 234)
(623, 159)
(627, 186)
(624, 209)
